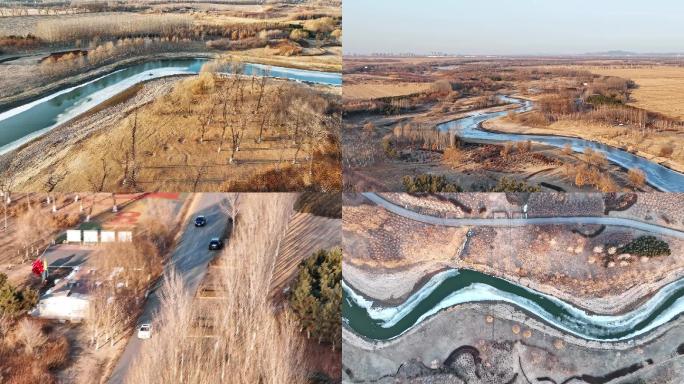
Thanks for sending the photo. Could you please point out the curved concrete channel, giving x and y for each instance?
(454, 287)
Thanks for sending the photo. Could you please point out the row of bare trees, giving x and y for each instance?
(124, 272)
(238, 336)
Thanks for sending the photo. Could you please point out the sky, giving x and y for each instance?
(512, 27)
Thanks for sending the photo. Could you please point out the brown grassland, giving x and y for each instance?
(659, 87)
(392, 106)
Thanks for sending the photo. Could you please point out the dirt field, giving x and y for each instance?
(660, 88)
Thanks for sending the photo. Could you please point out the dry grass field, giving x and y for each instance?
(660, 88)
(374, 90)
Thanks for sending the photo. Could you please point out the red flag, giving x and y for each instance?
(38, 267)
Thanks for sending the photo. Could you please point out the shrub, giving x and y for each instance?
(452, 156)
(636, 177)
(603, 100)
(442, 87)
(13, 301)
(507, 184)
(648, 246)
(30, 335)
(298, 34)
(427, 183)
(666, 150)
(324, 24)
(388, 147)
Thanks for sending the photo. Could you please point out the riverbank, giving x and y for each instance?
(90, 150)
(26, 96)
(46, 152)
(479, 165)
(488, 327)
(552, 259)
(13, 79)
(646, 147)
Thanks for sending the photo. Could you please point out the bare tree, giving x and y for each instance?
(201, 171)
(130, 156)
(242, 338)
(205, 119)
(34, 229)
(30, 335)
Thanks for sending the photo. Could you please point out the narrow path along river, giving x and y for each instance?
(660, 177)
(454, 287)
(26, 122)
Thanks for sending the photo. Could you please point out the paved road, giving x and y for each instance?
(190, 259)
(458, 222)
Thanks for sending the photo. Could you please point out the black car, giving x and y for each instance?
(200, 221)
(215, 244)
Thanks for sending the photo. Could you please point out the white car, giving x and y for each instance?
(145, 331)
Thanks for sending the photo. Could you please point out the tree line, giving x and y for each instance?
(317, 296)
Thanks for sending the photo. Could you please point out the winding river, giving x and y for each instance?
(26, 122)
(660, 177)
(454, 287)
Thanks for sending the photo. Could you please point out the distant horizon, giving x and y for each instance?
(506, 28)
(611, 53)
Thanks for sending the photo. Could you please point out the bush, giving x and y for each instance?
(427, 183)
(636, 177)
(299, 34)
(603, 100)
(388, 147)
(666, 150)
(324, 24)
(506, 184)
(452, 156)
(648, 246)
(13, 301)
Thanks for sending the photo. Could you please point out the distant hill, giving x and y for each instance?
(619, 53)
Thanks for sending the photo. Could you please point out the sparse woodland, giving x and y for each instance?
(220, 132)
